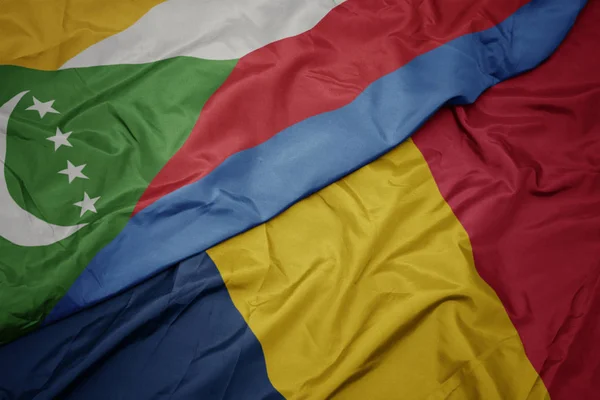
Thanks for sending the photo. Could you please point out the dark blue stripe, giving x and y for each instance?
(176, 336)
(252, 186)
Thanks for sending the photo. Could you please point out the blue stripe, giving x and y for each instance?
(252, 186)
(176, 336)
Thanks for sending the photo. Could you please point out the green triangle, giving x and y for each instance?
(126, 121)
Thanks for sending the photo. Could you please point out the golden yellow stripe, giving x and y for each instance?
(368, 290)
(43, 34)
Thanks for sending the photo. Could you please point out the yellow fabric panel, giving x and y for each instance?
(368, 290)
(43, 34)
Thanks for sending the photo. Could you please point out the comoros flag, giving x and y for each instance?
(204, 119)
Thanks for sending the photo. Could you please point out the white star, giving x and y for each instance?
(60, 139)
(43, 107)
(73, 171)
(87, 204)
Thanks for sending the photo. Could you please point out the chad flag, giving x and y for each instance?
(220, 200)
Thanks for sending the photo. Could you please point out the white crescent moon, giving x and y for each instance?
(17, 225)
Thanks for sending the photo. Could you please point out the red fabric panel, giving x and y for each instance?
(521, 170)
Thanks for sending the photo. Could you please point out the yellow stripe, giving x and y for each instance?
(43, 34)
(368, 290)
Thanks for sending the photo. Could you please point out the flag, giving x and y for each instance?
(100, 138)
(435, 271)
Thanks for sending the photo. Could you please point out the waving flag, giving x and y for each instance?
(183, 124)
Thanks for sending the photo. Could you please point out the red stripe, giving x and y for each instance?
(521, 170)
(318, 71)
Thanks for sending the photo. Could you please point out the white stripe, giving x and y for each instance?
(209, 29)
